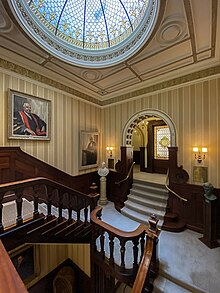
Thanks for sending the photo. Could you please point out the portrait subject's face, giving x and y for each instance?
(27, 107)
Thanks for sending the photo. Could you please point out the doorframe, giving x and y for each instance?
(144, 114)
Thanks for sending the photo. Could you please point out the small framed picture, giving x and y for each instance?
(29, 117)
(25, 258)
(200, 174)
(89, 149)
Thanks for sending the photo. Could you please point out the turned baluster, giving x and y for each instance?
(86, 213)
(60, 207)
(153, 221)
(142, 243)
(70, 211)
(135, 252)
(78, 216)
(111, 246)
(102, 243)
(19, 219)
(36, 202)
(122, 243)
(49, 204)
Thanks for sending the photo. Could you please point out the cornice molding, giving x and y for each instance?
(134, 94)
(43, 79)
(165, 85)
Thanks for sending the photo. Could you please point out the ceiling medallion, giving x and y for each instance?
(92, 33)
(172, 30)
(91, 75)
(6, 24)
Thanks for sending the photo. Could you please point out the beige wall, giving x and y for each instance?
(195, 111)
(68, 116)
(51, 256)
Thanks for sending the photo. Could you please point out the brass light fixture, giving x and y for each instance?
(199, 153)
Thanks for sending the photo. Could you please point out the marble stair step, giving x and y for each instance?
(148, 202)
(144, 210)
(149, 184)
(163, 285)
(138, 217)
(147, 194)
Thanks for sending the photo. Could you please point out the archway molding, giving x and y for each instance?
(140, 116)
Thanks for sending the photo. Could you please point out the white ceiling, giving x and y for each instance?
(186, 40)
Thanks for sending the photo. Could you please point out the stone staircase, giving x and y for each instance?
(145, 199)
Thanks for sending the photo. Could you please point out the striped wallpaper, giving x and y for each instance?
(195, 112)
(194, 109)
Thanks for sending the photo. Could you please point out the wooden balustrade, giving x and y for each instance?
(42, 190)
(106, 262)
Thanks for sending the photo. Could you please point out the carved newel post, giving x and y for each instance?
(103, 172)
(210, 211)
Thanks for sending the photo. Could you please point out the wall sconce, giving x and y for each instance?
(200, 155)
(109, 150)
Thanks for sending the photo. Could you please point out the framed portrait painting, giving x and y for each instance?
(29, 117)
(89, 148)
(25, 258)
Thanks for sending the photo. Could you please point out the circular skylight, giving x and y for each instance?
(88, 32)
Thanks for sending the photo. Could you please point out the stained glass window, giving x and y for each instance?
(99, 32)
(161, 142)
(91, 24)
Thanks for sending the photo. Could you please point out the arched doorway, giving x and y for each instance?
(150, 132)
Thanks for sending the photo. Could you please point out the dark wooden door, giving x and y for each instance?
(154, 165)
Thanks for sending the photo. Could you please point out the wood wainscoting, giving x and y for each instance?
(17, 165)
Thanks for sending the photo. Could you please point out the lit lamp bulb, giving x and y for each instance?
(109, 150)
(198, 156)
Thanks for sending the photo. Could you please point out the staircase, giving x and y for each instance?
(39, 210)
(43, 229)
(145, 199)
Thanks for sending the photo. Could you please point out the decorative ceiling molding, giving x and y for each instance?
(45, 80)
(173, 30)
(184, 40)
(135, 94)
(165, 85)
(6, 24)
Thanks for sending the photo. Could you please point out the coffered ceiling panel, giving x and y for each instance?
(186, 39)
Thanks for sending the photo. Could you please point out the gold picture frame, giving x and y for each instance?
(28, 117)
(89, 149)
(25, 258)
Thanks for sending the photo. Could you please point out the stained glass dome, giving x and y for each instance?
(88, 32)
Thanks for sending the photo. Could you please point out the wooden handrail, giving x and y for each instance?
(172, 191)
(128, 175)
(5, 187)
(147, 261)
(144, 267)
(41, 189)
(103, 225)
(9, 278)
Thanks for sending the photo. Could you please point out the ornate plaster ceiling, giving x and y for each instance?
(185, 41)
